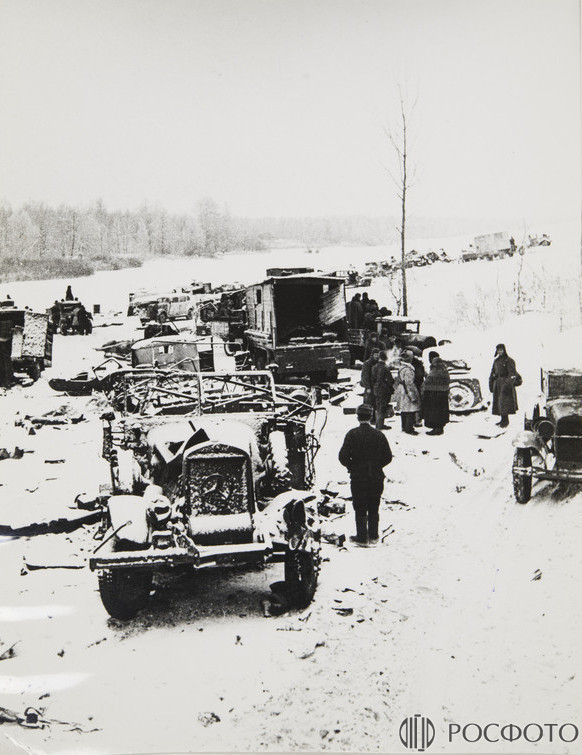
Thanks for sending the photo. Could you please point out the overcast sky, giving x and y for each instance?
(275, 107)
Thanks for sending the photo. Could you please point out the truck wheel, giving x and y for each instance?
(124, 592)
(301, 572)
(278, 462)
(521, 483)
(34, 371)
(462, 396)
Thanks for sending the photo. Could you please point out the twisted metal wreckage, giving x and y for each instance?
(207, 469)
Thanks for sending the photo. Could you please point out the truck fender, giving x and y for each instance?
(287, 510)
(128, 513)
(529, 439)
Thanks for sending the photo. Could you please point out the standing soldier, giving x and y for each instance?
(435, 395)
(407, 396)
(503, 380)
(6, 373)
(365, 452)
(373, 342)
(355, 312)
(366, 377)
(383, 387)
(419, 375)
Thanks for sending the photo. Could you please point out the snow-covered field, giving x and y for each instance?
(447, 619)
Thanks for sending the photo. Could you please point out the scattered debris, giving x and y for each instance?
(9, 653)
(18, 453)
(537, 575)
(208, 717)
(54, 526)
(476, 472)
(343, 611)
(54, 461)
(387, 532)
(308, 653)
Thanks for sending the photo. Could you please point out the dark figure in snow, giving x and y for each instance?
(406, 394)
(366, 377)
(419, 374)
(69, 295)
(365, 452)
(383, 386)
(503, 380)
(56, 314)
(356, 312)
(6, 373)
(373, 342)
(85, 321)
(435, 395)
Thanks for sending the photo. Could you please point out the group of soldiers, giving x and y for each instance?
(363, 311)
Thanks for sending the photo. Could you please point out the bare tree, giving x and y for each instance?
(398, 135)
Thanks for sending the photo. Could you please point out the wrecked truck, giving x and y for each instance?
(229, 481)
(297, 325)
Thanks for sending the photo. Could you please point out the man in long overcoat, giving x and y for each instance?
(366, 378)
(383, 388)
(435, 395)
(365, 452)
(406, 393)
(502, 382)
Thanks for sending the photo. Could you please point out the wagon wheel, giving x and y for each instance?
(462, 396)
(521, 482)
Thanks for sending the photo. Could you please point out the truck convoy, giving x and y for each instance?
(297, 324)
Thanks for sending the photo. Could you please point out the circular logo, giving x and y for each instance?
(417, 733)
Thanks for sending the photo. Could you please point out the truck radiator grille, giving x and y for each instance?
(217, 483)
(568, 441)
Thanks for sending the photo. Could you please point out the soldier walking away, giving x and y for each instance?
(69, 295)
(383, 386)
(366, 378)
(6, 373)
(406, 394)
(365, 452)
(503, 380)
(435, 395)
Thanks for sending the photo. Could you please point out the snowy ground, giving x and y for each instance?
(447, 619)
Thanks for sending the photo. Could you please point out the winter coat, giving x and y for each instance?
(502, 382)
(435, 395)
(365, 451)
(372, 344)
(356, 314)
(382, 382)
(406, 393)
(366, 374)
(419, 372)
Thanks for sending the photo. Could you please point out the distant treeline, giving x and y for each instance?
(19, 269)
(37, 231)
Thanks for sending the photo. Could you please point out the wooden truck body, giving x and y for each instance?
(297, 323)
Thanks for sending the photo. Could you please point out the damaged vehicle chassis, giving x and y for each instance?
(210, 488)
